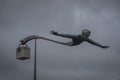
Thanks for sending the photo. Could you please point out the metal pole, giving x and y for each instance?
(35, 60)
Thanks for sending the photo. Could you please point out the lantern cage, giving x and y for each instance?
(23, 52)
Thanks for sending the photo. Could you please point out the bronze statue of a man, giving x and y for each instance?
(78, 39)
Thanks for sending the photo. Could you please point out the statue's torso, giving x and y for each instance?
(78, 39)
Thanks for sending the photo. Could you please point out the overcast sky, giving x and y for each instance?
(21, 18)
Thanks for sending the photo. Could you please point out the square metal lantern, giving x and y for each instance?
(23, 53)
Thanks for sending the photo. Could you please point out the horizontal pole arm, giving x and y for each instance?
(29, 38)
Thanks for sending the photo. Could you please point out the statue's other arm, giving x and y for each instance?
(95, 43)
(62, 35)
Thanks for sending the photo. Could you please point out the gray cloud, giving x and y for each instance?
(20, 18)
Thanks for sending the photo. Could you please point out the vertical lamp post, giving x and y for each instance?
(35, 60)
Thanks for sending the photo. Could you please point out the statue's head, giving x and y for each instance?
(86, 32)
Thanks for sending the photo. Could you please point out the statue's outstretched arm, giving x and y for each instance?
(62, 35)
(96, 44)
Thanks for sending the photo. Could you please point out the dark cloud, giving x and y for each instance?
(21, 18)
